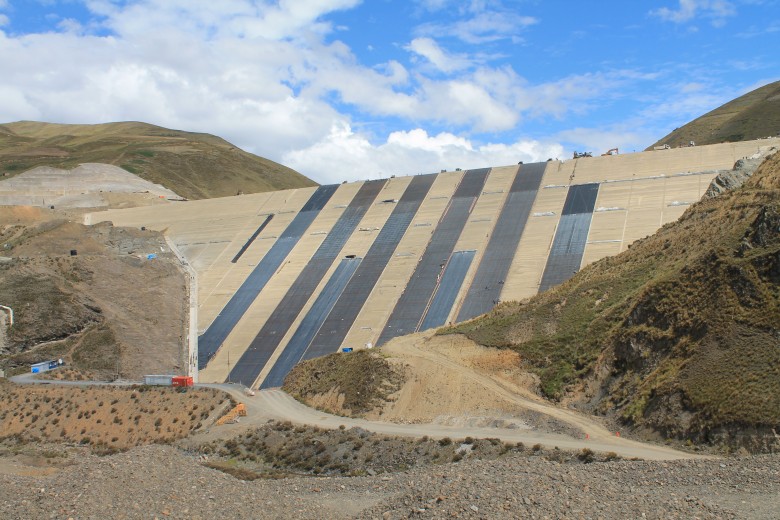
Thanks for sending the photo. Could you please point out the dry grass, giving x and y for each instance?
(108, 418)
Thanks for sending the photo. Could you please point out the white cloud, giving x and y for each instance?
(419, 139)
(4, 20)
(438, 57)
(344, 154)
(715, 10)
(434, 5)
(577, 93)
(684, 106)
(483, 27)
(265, 77)
(231, 18)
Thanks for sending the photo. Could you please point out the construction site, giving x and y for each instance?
(288, 275)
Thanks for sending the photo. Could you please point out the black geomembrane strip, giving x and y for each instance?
(449, 287)
(275, 328)
(410, 308)
(312, 322)
(210, 341)
(341, 318)
(249, 242)
(485, 289)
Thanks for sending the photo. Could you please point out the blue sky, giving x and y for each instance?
(346, 90)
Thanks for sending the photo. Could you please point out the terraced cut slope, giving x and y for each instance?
(677, 335)
(443, 246)
(753, 116)
(194, 165)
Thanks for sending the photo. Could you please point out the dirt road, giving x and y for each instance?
(277, 405)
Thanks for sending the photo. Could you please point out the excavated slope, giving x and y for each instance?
(678, 335)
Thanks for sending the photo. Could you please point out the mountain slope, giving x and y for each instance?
(194, 165)
(679, 335)
(752, 116)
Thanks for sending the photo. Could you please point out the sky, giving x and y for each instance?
(352, 90)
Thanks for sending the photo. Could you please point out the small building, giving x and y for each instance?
(43, 366)
(159, 380)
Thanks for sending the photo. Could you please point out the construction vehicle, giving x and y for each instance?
(661, 147)
(580, 155)
(611, 151)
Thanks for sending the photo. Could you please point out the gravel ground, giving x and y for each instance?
(163, 482)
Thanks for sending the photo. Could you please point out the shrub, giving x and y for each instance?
(586, 455)
(611, 455)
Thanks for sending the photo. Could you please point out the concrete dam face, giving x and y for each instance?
(296, 274)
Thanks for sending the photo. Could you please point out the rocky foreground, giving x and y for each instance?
(164, 482)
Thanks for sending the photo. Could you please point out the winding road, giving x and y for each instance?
(274, 404)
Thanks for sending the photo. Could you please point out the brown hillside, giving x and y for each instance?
(107, 418)
(678, 335)
(194, 165)
(753, 116)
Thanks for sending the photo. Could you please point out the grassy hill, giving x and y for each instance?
(194, 165)
(752, 116)
(678, 336)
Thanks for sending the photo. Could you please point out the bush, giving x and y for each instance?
(586, 455)
(611, 456)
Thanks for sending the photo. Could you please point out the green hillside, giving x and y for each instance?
(679, 335)
(196, 166)
(753, 116)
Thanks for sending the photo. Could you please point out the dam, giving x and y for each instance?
(290, 275)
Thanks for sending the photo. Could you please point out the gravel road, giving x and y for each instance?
(163, 482)
(275, 404)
